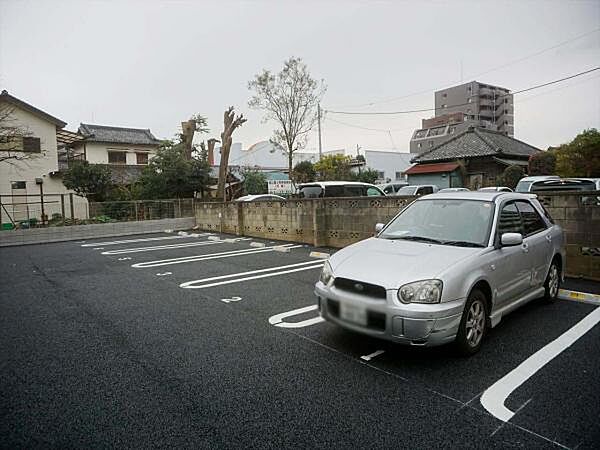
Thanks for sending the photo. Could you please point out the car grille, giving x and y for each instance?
(368, 289)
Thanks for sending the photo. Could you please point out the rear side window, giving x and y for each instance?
(389, 189)
(311, 192)
(509, 220)
(353, 191)
(425, 190)
(532, 221)
(373, 192)
(334, 191)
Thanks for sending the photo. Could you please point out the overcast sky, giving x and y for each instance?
(152, 64)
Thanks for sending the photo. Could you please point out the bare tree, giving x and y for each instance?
(290, 98)
(196, 124)
(230, 123)
(14, 138)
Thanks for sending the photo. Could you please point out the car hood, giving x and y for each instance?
(392, 263)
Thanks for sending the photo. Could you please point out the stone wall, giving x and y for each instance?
(337, 222)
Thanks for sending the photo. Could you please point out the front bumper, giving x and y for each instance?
(412, 324)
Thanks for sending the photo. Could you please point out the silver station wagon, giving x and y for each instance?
(445, 269)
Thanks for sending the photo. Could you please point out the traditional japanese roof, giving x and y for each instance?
(117, 135)
(476, 142)
(432, 168)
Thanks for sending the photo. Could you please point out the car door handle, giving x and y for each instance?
(525, 248)
(549, 238)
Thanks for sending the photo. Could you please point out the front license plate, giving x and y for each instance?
(353, 313)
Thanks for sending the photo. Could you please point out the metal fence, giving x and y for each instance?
(126, 211)
(43, 210)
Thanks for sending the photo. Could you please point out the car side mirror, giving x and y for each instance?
(511, 239)
(379, 227)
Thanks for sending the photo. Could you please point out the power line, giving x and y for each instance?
(365, 128)
(366, 113)
(493, 69)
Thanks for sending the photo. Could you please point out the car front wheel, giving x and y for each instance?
(473, 324)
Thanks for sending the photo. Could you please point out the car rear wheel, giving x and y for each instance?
(473, 324)
(552, 283)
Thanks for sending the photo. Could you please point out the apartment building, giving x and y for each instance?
(472, 104)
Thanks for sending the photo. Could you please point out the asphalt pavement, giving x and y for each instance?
(167, 343)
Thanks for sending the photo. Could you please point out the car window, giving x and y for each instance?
(425, 190)
(373, 192)
(353, 191)
(532, 221)
(407, 190)
(334, 191)
(509, 220)
(310, 192)
(389, 189)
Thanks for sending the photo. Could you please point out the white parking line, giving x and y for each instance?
(494, 397)
(372, 355)
(277, 319)
(159, 247)
(204, 257)
(200, 284)
(128, 241)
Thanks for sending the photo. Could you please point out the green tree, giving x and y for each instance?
(334, 168)
(304, 172)
(170, 174)
(367, 175)
(255, 182)
(92, 181)
(290, 98)
(581, 156)
(511, 176)
(542, 163)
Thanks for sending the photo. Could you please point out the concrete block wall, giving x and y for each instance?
(337, 222)
(78, 232)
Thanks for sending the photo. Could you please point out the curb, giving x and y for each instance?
(583, 297)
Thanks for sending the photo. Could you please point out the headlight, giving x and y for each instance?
(326, 274)
(426, 291)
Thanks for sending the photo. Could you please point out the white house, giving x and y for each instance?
(29, 138)
(390, 165)
(126, 150)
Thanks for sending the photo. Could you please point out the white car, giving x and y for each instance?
(454, 190)
(495, 189)
(259, 197)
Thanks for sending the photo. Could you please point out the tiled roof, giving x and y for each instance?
(475, 142)
(117, 135)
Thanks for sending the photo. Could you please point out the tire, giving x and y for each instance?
(473, 325)
(552, 283)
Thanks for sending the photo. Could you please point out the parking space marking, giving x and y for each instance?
(129, 241)
(230, 300)
(159, 247)
(494, 397)
(277, 319)
(372, 355)
(164, 274)
(272, 272)
(125, 258)
(205, 257)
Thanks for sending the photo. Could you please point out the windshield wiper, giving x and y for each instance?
(462, 243)
(417, 238)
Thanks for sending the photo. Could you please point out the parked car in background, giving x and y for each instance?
(320, 189)
(418, 190)
(495, 189)
(445, 269)
(524, 184)
(563, 184)
(259, 197)
(454, 190)
(391, 188)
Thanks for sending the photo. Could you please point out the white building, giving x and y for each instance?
(390, 165)
(28, 162)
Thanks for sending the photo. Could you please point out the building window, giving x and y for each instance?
(380, 174)
(141, 158)
(20, 144)
(17, 185)
(419, 145)
(117, 157)
(31, 144)
(399, 176)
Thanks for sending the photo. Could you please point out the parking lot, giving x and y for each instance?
(166, 340)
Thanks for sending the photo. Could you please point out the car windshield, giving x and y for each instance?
(407, 190)
(443, 221)
(523, 186)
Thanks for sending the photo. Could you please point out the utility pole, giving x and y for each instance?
(319, 126)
